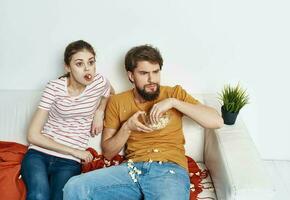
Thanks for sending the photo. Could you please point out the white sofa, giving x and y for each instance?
(229, 153)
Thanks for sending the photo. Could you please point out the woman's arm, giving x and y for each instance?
(37, 138)
(98, 121)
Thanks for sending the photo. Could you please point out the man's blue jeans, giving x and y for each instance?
(165, 180)
(45, 175)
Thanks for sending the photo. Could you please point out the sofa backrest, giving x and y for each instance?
(18, 106)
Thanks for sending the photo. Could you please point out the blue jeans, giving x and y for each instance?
(166, 181)
(45, 175)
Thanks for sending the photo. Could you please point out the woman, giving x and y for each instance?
(70, 110)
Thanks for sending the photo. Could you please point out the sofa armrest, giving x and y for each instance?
(235, 165)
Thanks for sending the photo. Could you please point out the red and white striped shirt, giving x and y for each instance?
(70, 118)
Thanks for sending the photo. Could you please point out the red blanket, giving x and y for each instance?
(11, 185)
(195, 174)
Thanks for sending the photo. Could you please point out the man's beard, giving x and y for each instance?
(148, 96)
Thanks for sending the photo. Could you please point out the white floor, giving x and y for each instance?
(279, 172)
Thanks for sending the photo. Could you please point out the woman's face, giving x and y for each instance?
(82, 67)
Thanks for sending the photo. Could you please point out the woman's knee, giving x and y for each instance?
(37, 195)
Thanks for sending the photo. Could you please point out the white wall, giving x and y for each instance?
(205, 44)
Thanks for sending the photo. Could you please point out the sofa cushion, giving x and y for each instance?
(16, 110)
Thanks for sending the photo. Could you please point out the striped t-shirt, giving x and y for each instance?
(70, 118)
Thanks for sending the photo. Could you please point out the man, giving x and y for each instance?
(156, 166)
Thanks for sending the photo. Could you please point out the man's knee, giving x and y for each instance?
(71, 183)
(73, 188)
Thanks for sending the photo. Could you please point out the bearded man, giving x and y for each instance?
(147, 122)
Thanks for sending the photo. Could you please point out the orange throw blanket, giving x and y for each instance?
(195, 174)
(11, 186)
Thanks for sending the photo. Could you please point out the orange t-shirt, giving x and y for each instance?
(166, 144)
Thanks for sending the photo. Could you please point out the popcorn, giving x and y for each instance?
(107, 162)
(155, 150)
(137, 171)
(162, 123)
(133, 170)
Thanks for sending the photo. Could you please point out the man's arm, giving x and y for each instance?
(204, 115)
(114, 140)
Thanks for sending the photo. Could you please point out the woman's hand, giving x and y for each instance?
(85, 156)
(98, 123)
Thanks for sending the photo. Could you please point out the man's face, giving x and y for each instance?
(146, 78)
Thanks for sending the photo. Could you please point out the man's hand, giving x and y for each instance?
(85, 156)
(159, 109)
(97, 124)
(133, 124)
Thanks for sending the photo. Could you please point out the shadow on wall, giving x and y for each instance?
(122, 75)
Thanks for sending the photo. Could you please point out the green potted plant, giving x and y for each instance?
(233, 99)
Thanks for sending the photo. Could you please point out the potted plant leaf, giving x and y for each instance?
(233, 99)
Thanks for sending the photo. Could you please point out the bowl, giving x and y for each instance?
(162, 122)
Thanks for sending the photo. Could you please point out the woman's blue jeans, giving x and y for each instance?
(45, 175)
(162, 181)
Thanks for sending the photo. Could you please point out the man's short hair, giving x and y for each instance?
(142, 53)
